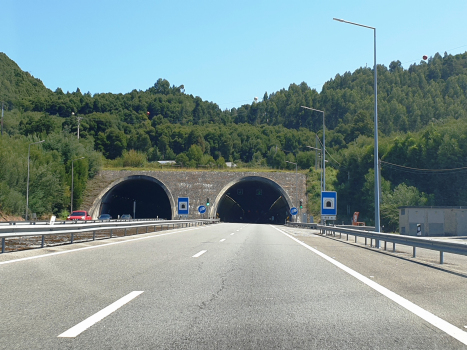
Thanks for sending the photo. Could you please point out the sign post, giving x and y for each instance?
(293, 211)
(183, 206)
(328, 206)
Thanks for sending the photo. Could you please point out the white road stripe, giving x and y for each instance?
(197, 255)
(222, 240)
(95, 246)
(82, 326)
(232, 233)
(439, 323)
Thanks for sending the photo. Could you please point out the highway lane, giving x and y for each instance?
(253, 287)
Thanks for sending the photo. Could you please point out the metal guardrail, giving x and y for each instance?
(49, 230)
(414, 242)
(66, 222)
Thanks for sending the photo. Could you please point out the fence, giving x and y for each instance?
(44, 230)
(414, 242)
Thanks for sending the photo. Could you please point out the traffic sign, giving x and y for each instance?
(183, 205)
(293, 211)
(328, 203)
(202, 209)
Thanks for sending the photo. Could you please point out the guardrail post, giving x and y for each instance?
(394, 247)
(414, 252)
(385, 245)
(441, 257)
(347, 236)
(93, 235)
(124, 233)
(111, 233)
(355, 238)
(136, 230)
(72, 236)
(3, 245)
(366, 240)
(377, 243)
(42, 241)
(146, 229)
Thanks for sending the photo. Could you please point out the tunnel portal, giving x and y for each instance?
(253, 201)
(147, 197)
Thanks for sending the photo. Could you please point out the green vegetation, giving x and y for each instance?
(422, 119)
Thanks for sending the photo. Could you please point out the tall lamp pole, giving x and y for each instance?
(324, 147)
(318, 153)
(72, 183)
(376, 165)
(27, 185)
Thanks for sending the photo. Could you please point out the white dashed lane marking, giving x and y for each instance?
(82, 326)
(197, 255)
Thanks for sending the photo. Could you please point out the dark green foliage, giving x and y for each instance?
(422, 114)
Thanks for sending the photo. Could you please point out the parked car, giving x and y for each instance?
(105, 217)
(126, 217)
(79, 215)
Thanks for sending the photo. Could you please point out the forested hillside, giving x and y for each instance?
(422, 124)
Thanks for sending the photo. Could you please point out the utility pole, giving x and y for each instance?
(79, 121)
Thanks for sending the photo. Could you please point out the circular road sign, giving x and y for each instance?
(202, 209)
(293, 211)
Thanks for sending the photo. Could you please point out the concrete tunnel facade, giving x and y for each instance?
(250, 197)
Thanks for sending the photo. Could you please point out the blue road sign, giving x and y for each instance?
(202, 209)
(183, 205)
(293, 211)
(328, 203)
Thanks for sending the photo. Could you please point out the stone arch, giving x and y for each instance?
(95, 209)
(213, 210)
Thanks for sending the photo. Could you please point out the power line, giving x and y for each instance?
(328, 152)
(426, 171)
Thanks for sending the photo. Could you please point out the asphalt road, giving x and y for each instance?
(227, 286)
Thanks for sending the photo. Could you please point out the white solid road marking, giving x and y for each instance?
(222, 240)
(232, 233)
(94, 246)
(82, 326)
(439, 323)
(197, 255)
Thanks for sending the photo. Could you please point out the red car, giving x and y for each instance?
(79, 215)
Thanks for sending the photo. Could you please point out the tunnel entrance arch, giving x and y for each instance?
(143, 197)
(252, 199)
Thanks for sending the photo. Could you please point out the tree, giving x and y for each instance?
(402, 195)
(112, 143)
(195, 153)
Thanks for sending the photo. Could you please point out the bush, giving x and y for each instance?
(134, 159)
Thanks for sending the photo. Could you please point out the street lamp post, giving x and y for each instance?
(377, 195)
(318, 153)
(27, 185)
(72, 183)
(324, 147)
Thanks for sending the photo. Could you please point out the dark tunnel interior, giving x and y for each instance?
(253, 202)
(147, 197)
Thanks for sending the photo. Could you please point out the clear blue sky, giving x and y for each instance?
(226, 52)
